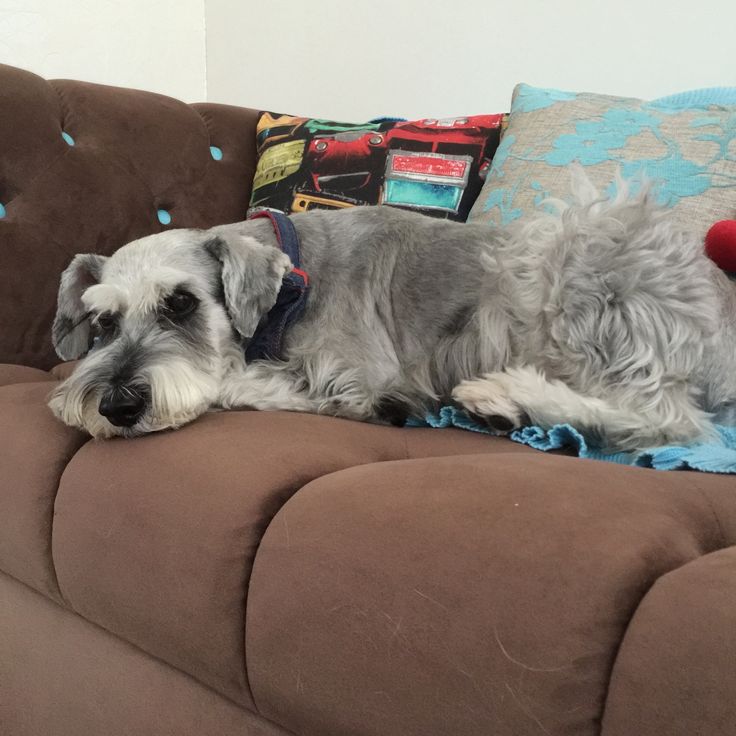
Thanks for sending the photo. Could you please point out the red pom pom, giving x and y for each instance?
(720, 245)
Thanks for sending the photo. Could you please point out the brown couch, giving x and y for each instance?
(267, 573)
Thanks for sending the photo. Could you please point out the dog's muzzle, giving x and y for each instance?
(123, 406)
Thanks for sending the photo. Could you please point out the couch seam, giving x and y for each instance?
(118, 162)
(267, 526)
(64, 108)
(204, 110)
(208, 132)
(247, 583)
(142, 651)
(52, 525)
(706, 497)
(246, 595)
(62, 153)
(626, 628)
(614, 659)
(205, 116)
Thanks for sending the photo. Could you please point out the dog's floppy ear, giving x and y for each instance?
(251, 275)
(70, 332)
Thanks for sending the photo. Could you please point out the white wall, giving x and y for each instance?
(414, 58)
(157, 45)
(355, 60)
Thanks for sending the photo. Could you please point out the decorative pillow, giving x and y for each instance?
(434, 166)
(689, 155)
(700, 97)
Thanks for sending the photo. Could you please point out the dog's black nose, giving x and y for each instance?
(123, 406)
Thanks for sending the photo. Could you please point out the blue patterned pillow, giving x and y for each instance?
(689, 154)
(700, 97)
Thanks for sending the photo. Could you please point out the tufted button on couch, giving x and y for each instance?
(85, 167)
(268, 574)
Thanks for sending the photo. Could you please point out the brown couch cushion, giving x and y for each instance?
(386, 579)
(34, 452)
(158, 548)
(62, 676)
(676, 669)
(134, 152)
(478, 595)
(10, 374)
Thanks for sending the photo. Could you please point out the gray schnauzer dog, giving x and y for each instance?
(603, 315)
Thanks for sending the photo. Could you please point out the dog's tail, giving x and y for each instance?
(637, 191)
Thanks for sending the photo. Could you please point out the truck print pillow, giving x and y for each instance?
(435, 166)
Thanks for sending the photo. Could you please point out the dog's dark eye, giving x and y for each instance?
(179, 304)
(106, 322)
(103, 329)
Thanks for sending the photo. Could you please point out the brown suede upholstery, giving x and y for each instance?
(479, 595)
(134, 153)
(676, 669)
(62, 676)
(269, 574)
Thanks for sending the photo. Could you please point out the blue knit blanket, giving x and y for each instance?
(714, 457)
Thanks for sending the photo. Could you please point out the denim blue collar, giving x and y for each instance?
(267, 341)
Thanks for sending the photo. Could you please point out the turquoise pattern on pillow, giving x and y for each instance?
(687, 153)
(529, 98)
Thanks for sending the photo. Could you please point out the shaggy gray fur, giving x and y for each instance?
(602, 315)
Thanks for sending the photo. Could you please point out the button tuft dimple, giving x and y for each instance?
(216, 153)
(164, 217)
(67, 138)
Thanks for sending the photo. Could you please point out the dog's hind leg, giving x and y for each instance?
(509, 399)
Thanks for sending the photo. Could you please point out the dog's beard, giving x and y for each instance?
(75, 403)
(179, 391)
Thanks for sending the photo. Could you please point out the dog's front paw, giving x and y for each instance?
(488, 401)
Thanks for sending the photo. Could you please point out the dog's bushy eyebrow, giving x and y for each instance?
(184, 287)
(92, 313)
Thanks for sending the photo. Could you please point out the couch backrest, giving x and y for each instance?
(87, 168)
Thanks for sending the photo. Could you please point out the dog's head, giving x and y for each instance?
(160, 323)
